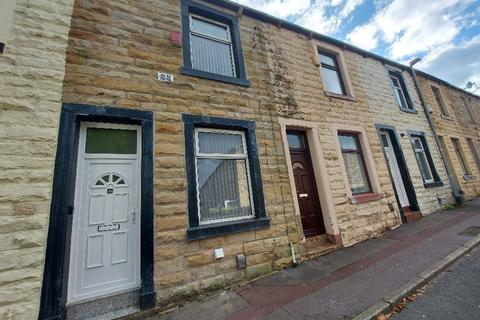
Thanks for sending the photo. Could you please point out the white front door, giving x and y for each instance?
(105, 245)
(394, 169)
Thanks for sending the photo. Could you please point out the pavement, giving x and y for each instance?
(357, 282)
(454, 294)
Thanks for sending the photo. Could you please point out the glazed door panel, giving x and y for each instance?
(104, 256)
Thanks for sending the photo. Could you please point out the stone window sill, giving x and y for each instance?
(433, 184)
(414, 111)
(214, 76)
(469, 177)
(361, 198)
(450, 118)
(340, 96)
(220, 229)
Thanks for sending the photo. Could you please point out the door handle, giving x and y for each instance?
(303, 195)
(133, 216)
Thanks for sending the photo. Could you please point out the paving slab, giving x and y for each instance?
(348, 281)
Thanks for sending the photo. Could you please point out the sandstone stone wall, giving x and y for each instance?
(115, 51)
(299, 94)
(457, 126)
(385, 110)
(32, 70)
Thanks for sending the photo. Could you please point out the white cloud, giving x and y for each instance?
(400, 29)
(465, 58)
(412, 26)
(324, 16)
(364, 36)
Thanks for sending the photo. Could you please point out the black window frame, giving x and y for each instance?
(437, 181)
(188, 8)
(335, 68)
(197, 231)
(356, 136)
(401, 80)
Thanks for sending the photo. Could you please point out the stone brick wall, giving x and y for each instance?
(385, 110)
(31, 72)
(115, 51)
(457, 126)
(299, 94)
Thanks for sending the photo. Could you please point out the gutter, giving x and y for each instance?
(455, 188)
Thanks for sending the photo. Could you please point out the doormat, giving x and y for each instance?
(471, 231)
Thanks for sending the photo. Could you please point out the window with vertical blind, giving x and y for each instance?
(223, 181)
(225, 192)
(354, 162)
(211, 44)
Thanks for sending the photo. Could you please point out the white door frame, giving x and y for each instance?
(79, 181)
(392, 163)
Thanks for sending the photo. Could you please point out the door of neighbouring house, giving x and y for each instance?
(394, 169)
(307, 195)
(105, 243)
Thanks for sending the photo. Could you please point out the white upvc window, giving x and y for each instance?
(398, 90)
(421, 155)
(222, 175)
(211, 46)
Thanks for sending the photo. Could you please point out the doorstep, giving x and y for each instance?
(412, 216)
(317, 246)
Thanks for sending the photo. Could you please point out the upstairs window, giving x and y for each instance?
(331, 75)
(400, 90)
(438, 99)
(354, 163)
(211, 44)
(467, 110)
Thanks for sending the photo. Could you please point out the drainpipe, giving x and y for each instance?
(455, 188)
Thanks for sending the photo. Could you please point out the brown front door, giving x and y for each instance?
(307, 194)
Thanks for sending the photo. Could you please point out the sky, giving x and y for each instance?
(444, 33)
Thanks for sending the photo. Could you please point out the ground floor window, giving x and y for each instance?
(474, 151)
(354, 163)
(225, 192)
(223, 181)
(424, 158)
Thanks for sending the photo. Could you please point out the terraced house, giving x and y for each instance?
(154, 151)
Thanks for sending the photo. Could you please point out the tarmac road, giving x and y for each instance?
(454, 294)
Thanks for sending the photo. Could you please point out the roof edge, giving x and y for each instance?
(312, 34)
